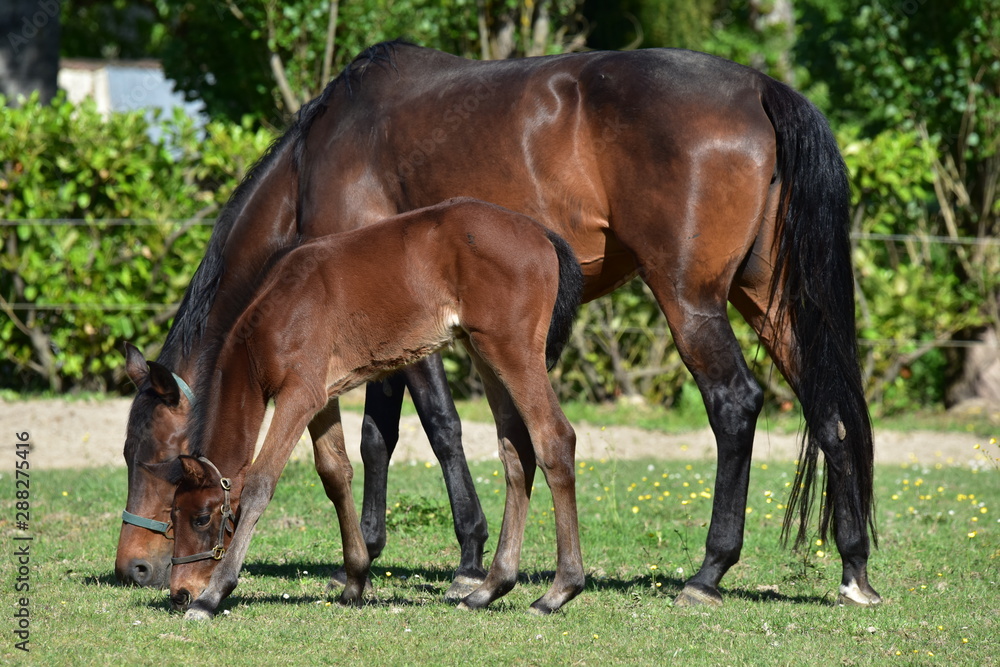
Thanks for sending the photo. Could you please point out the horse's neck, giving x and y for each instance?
(265, 223)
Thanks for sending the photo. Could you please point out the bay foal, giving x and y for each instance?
(340, 311)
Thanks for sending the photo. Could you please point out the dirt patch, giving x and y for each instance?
(82, 434)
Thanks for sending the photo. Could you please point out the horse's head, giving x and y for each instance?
(204, 519)
(155, 434)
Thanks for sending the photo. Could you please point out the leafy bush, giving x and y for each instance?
(115, 282)
(67, 162)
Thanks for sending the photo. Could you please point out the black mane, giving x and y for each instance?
(229, 330)
(381, 54)
(192, 316)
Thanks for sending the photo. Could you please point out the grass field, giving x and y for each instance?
(643, 525)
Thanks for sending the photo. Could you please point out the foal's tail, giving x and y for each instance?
(814, 285)
(567, 299)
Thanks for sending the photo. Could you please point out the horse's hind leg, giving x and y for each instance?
(733, 400)
(335, 470)
(432, 398)
(850, 532)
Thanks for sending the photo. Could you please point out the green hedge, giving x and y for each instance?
(62, 161)
(118, 280)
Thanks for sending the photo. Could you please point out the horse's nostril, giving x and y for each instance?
(140, 572)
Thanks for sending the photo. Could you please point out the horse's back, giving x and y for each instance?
(591, 145)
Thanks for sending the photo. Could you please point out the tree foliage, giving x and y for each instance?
(912, 89)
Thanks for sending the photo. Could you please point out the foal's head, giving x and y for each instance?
(203, 516)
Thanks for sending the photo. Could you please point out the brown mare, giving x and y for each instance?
(346, 309)
(709, 180)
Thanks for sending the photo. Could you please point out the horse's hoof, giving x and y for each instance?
(196, 614)
(461, 587)
(534, 610)
(854, 596)
(696, 596)
(338, 579)
(463, 607)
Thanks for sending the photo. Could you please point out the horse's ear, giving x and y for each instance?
(170, 471)
(195, 472)
(164, 384)
(135, 364)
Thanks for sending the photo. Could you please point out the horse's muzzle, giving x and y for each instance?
(181, 600)
(140, 572)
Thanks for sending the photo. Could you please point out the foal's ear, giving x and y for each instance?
(135, 364)
(164, 384)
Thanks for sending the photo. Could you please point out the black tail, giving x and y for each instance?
(815, 282)
(567, 299)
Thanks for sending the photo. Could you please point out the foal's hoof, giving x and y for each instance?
(855, 596)
(461, 587)
(478, 599)
(197, 614)
(695, 596)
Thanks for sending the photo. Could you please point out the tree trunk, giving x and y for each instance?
(29, 48)
(977, 386)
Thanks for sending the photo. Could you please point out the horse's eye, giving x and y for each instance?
(201, 521)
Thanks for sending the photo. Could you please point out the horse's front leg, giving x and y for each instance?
(292, 414)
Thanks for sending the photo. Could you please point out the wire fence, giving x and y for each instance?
(167, 308)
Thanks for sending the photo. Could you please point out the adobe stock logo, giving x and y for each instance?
(47, 10)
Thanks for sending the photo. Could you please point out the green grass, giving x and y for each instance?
(643, 524)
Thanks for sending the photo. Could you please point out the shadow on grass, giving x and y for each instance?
(419, 587)
(101, 580)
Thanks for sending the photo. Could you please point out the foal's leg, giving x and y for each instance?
(518, 460)
(555, 452)
(432, 398)
(294, 409)
(527, 412)
(335, 470)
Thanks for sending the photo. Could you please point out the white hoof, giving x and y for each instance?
(197, 615)
(851, 595)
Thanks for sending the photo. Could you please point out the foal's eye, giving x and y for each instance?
(202, 521)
